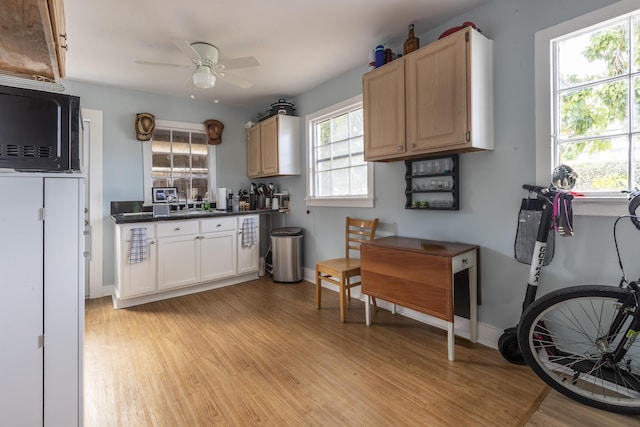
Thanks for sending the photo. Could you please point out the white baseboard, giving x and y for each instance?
(487, 334)
(187, 290)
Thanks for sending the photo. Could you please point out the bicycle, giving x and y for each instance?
(580, 340)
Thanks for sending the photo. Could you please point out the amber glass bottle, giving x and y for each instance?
(412, 43)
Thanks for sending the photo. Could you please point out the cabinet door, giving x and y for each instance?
(269, 146)
(436, 91)
(248, 256)
(64, 300)
(21, 319)
(384, 116)
(217, 255)
(253, 152)
(138, 278)
(56, 9)
(178, 261)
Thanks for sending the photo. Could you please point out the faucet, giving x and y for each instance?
(186, 201)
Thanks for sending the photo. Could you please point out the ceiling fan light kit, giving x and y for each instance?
(205, 56)
(203, 78)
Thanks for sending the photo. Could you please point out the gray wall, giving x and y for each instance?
(490, 184)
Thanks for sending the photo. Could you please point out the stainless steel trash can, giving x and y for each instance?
(286, 253)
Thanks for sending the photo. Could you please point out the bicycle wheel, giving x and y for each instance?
(566, 339)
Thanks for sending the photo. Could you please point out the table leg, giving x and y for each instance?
(367, 309)
(318, 289)
(450, 341)
(473, 302)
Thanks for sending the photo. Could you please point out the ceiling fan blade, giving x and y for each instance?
(186, 48)
(163, 64)
(234, 80)
(233, 63)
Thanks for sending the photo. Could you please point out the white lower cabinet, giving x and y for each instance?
(183, 255)
(137, 278)
(217, 248)
(178, 263)
(248, 256)
(217, 255)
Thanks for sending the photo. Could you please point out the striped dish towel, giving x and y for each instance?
(138, 247)
(249, 232)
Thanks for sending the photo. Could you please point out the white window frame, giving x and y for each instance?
(591, 205)
(366, 201)
(147, 156)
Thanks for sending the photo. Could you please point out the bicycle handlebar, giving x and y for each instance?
(547, 192)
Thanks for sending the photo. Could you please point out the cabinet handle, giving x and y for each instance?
(176, 229)
(465, 260)
(412, 145)
(218, 225)
(400, 147)
(153, 242)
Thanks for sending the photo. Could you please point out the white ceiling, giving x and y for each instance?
(299, 43)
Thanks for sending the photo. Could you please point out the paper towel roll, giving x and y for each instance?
(221, 199)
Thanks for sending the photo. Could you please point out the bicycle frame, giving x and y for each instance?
(632, 331)
(539, 252)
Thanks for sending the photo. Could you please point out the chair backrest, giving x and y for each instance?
(359, 230)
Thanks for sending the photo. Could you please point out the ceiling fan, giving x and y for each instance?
(209, 66)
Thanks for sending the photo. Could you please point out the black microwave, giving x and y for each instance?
(39, 131)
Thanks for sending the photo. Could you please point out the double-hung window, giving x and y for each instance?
(338, 173)
(588, 101)
(178, 156)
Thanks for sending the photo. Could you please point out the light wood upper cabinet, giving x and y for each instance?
(447, 105)
(33, 39)
(273, 147)
(384, 114)
(436, 87)
(269, 147)
(253, 152)
(58, 24)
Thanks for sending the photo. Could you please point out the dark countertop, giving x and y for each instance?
(126, 218)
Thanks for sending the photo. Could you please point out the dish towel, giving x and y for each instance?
(138, 247)
(249, 232)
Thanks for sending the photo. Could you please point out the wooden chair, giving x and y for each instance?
(340, 271)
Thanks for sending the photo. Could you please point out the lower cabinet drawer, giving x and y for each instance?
(213, 225)
(177, 228)
(149, 228)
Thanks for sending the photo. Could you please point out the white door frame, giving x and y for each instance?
(92, 119)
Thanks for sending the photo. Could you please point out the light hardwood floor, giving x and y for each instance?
(259, 353)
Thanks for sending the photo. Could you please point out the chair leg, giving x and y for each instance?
(343, 299)
(349, 292)
(318, 289)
